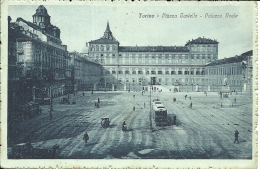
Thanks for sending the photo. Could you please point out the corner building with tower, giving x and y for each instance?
(136, 67)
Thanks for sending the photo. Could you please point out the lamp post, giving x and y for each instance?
(151, 107)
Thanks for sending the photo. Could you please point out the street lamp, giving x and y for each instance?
(151, 127)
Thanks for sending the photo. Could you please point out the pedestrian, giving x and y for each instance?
(124, 127)
(190, 105)
(235, 100)
(95, 104)
(54, 149)
(50, 115)
(86, 137)
(185, 97)
(83, 94)
(236, 137)
(92, 92)
(133, 108)
(144, 105)
(98, 100)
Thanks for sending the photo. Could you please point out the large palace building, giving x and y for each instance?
(135, 67)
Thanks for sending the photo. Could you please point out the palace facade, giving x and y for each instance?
(133, 67)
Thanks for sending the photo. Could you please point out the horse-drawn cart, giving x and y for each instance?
(105, 123)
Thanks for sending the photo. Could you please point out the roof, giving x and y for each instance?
(104, 40)
(234, 59)
(108, 37)
(34, 26)
(202, 41)
(153, 49)
(41, 10)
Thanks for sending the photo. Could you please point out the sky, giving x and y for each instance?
(81, 24)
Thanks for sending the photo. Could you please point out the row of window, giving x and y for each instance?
(153, 61)
(185, 80)
(159, 72)
(225, 71)
(152, 56)
(103, 48)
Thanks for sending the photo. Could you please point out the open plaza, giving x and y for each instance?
(205, 131)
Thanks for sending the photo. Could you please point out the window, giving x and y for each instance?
(186, 72)
(159, 72)
(153, 72)
(160, 59)
(192, 72)
(179, 72)
(140, 72)
(203, 72)
(173, 72)
(113, 72)
(108, 48)
(146, 59)
(102, 48)
(197, 72)
(160, 80)
(120, 72)
(126, 72)
(167, 72)
(134, 72)
(147, 72)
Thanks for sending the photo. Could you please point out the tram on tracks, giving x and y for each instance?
(160, 115)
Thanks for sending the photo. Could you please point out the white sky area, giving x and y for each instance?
(81, 24)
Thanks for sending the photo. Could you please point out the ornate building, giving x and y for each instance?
(134, 67)
(236, 70)
(38, 63)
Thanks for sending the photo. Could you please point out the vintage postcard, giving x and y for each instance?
(101, 84)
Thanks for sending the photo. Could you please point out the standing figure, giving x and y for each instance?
(185, 97)
(54, 149)
(83, 94)
(98, 100)
(124, 127)
(190, 105)
(86, 137)
(92, 92)
(236, 136)
(133, 108)
(50, 115)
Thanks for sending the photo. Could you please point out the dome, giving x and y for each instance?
(41, 10)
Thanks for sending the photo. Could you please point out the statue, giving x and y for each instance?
(225, 81)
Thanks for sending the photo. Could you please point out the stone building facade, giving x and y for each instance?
(38, 62)
(237, 72)
(85, 74)
(134, 67)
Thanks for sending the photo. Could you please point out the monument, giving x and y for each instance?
(225, 94)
